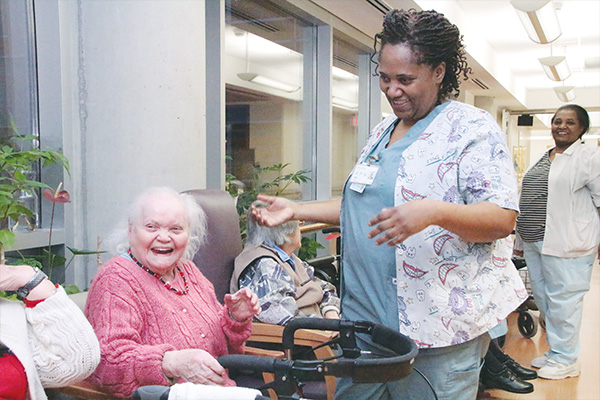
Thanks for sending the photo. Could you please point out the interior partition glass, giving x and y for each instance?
(344, 102)
(18, 100)
(263, 71)
(18, 92)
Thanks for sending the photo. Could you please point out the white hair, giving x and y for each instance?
(196, 218)
(257, 234)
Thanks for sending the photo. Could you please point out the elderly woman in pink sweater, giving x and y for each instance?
(156, 316)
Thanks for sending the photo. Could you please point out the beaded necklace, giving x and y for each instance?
(167, 284)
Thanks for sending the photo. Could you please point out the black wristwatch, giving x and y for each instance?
(24, 290)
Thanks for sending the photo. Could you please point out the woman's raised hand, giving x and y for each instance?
(280, 210)
(193, 365)
(242, 305)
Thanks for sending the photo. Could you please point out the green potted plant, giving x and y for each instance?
(15, 163)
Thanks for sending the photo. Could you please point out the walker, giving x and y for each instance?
(361, 366)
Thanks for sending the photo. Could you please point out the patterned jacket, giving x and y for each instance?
(450, 290)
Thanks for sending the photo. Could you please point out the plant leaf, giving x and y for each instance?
(71, 288)
(54, 260)
(77, 252)
(8, 295)
(31, 261)
(309, 248)
(7, 238)
(20, 176)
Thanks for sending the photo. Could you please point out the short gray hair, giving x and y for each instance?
(257, 234)
(196, 219)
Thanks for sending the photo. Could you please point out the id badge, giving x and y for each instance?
(357, 187)
(364, 174)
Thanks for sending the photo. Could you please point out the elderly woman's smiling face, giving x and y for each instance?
(159, 236)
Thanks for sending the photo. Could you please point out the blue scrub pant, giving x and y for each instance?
(558, 286)
(453, 371)
(499, 330)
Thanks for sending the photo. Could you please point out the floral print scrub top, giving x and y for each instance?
(435, 287)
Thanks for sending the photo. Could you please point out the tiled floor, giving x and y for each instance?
(584, 387)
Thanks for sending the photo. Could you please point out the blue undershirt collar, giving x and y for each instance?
(282, 254)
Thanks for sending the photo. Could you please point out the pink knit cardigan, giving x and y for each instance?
(137, 319)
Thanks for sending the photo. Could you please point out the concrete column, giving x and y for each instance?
(133, 93)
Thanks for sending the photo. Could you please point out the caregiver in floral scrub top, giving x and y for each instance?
(423, 216)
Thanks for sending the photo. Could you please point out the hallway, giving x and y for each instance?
(584, 387)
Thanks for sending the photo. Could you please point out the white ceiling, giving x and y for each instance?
(503, 58)
(497, 41)
(500, 52)
(497, 21)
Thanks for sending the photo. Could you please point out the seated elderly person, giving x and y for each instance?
(156, 316)
(45, 341)
(286, 286)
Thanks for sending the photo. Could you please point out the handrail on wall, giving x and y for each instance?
(317, 226)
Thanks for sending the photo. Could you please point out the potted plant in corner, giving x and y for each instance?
(275, 186)
(14, 166)
(15, 180)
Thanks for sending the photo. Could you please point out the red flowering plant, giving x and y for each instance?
(49, 260)
(56, 260)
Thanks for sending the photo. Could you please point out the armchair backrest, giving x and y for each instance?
(223, 240)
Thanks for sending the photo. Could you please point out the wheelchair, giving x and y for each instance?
(526, 322)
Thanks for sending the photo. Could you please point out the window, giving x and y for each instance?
(18, 91)
(344, 101)
(18, 82)
(264, 75)
(19, 114)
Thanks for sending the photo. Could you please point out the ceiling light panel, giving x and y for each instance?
(539, 19)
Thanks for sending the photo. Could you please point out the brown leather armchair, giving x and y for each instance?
(216, 258)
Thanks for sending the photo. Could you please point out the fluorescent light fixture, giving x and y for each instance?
(565, 93)
(539, 19)
(345, 104)
(592, 62)
(556, 67)
(269, 82)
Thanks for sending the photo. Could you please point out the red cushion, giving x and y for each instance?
(13, 381)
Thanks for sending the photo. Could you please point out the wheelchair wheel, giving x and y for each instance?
(527, 324)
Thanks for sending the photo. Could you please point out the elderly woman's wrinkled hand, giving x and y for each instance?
(280, 210)
(193, 365)
(242, 305)
(13, 277)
